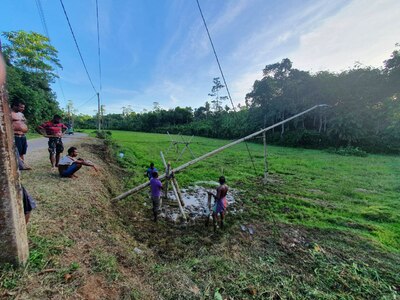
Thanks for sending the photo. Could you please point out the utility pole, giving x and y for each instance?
(98, 113)
(13, 237)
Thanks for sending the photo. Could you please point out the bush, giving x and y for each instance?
(103, 134)
(348, 151)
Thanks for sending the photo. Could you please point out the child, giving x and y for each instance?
(149, 172)
(220, 203)
(156, 187)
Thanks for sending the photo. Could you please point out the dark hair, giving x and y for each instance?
(71, 150)
(151, 164)
(155, 174)
(222, 180)
(57, 117)
(18, 102)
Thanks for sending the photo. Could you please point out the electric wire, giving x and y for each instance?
(216, 56)
(44, 24)
(87, 101)
(222, 73)
(77, 46)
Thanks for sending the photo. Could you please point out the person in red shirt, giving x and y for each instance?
(54, 130)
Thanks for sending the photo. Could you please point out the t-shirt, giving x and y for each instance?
(66, 161)
(155, 185)
(53, 128)
(150, 171)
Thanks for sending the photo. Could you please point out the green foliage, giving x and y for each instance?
(30, 59)
(348, 151)
(31, 52)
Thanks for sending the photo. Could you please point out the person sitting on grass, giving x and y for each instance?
(68, 165)
(156, 187)
(220, 203)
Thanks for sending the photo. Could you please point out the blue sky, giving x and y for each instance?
(158, 50)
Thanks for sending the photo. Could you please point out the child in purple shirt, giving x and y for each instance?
(156, 187)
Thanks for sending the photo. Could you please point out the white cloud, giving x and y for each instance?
(363, 31)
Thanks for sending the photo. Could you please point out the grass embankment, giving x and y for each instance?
(326, 227)
(78, 248)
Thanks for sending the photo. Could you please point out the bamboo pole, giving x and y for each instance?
(192, 162)
(174, 188)
(175, 182)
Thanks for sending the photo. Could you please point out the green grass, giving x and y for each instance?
(33, 135)
(327, 226)
(309, 187)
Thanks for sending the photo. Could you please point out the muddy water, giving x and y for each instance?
(195, 199)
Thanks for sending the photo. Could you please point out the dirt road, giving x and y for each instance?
(38, 147)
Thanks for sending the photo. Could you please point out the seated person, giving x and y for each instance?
(68, 165)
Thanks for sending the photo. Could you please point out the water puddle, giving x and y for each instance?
(195, 199)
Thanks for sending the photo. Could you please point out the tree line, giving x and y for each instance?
(363, 109)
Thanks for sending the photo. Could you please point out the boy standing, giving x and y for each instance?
(156, 187)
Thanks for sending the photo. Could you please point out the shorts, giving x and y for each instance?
(55, 145)
(28, 202)
(156, 203)
(220, 206)
(21, 144)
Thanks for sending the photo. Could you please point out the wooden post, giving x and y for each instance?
(13, 237)
(174, 189)
(265, 158)
(192, 162)
(167, 168)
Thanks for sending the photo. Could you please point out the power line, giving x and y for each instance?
(87, 101)
(77, 46)
(223, 77)
(44, 24)
(216, 56)
(98, 39)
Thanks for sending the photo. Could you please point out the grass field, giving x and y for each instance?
(327, 226)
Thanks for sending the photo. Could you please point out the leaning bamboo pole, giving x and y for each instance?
(174, 188)
(192, 162)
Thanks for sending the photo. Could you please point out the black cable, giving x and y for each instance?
(87, 101)
(222, 74)
(77, 46)
(98, 39)
(216, 56)
(44, 24)
(251, 158)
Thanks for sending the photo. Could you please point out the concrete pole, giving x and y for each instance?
(98, 113)
(13, 237)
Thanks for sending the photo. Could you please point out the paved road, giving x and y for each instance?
(41, 143)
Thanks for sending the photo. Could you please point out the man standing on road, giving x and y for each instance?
(54, 130)
(19, 126)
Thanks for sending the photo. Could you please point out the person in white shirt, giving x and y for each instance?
(69, 165)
